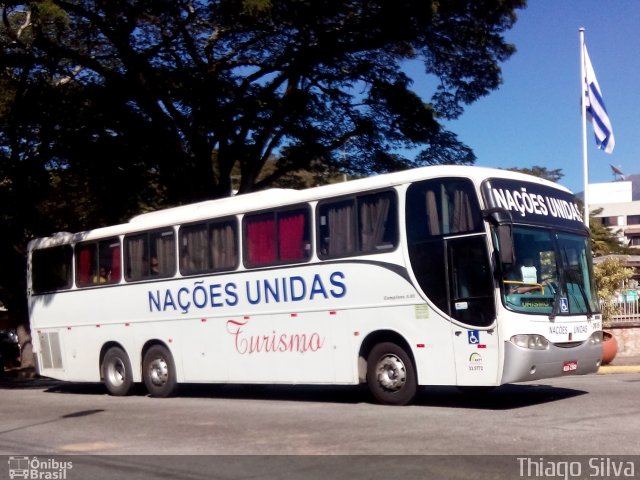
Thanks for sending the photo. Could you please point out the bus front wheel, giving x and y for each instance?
(391, 375)
(117, 375)
(159, 372)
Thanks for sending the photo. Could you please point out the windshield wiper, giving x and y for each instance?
(556, 298)
(573, 278)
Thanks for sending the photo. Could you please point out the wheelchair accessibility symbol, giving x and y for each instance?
(474, 337)
(564, 305)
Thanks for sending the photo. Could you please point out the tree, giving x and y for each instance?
(305, 80)
(610, 276)
(603, 240)
(542, 172)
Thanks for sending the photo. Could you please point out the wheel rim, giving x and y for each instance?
(116, 372)
(158, 372)
(392, 373)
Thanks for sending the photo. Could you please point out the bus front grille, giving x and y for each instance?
(568, 344)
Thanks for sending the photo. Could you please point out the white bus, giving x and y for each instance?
(440, 275)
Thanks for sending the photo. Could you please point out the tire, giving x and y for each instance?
(117, 374)
(159, 372)
(391, 375)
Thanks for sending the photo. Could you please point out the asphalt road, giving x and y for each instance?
(296, 432)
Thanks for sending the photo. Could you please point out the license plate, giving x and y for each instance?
(571, 366)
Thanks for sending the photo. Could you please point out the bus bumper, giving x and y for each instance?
(524, 364)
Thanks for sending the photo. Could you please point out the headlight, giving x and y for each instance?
(596, 337)
(533, 342)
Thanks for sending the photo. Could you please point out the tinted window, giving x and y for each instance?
(208, 247)
(98, 262)
(51, 269)
(360, 225)
(436, 209)
(471, 282)
(442, 207)
(150, 255)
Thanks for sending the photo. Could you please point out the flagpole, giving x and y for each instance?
(585, 165)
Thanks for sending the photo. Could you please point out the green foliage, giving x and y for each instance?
(247, 80)
(542, 172)
(611, 276)
(256, 7)
(604, 241)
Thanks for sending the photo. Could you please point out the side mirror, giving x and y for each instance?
(505, 239)
(502, 220)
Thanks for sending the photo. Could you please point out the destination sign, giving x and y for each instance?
(533, 203)
(536, 302)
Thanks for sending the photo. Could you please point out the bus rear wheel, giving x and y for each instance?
(159, 372)
(391, 375)
(117, 374)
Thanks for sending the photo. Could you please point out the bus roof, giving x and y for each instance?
(265, 199)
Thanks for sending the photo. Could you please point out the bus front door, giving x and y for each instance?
(472, 310)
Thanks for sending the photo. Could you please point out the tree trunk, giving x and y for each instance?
(27, 360)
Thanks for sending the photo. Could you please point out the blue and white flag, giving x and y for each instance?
(596, 111)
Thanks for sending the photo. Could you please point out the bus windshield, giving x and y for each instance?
(550, 274)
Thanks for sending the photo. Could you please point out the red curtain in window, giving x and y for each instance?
(84, 266)
(115, 265)
(291, 236)
(261, 245)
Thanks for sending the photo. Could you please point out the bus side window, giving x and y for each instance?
(260, 240)
(86, 258)
(193, 249)
(98, 262)
(435, 210)
(135, 257)
(112, 256)
(337, 229)
(378, 221)
(208, 247)
(277, 237)
(51, 269)
(162, 255)
(293, 236)
(366, 224)
(150, 255)
(223, 241)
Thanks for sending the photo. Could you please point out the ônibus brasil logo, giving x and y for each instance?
(40, 469)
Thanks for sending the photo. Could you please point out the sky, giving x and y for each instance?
(534, 116)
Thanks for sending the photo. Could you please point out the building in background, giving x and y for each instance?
(620, 207)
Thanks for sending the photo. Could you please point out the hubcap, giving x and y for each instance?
(116, 372)
(158, 372)
(392, 374)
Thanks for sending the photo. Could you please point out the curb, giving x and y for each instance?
(606, 369)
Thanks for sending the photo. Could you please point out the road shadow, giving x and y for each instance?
(506, 397)
(78, 414)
